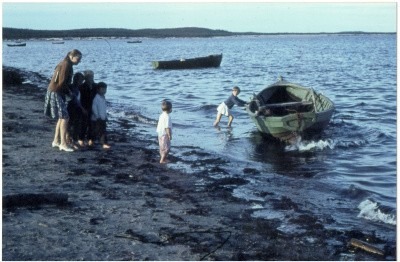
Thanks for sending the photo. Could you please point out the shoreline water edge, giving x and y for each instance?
(121, 204)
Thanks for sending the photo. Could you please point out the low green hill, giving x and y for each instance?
(15, 33)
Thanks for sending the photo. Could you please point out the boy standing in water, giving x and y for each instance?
(224, 107)
(164, 130)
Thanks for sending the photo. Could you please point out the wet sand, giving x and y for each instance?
(121, 204)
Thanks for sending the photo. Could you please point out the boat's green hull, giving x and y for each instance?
(284, 126)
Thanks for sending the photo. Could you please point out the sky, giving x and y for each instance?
(262, 17)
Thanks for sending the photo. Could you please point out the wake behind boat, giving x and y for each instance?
(285, 110)
(199, 62)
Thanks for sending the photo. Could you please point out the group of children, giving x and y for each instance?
(79, 108)
(81, 111)
(164, 126)
(87, 111)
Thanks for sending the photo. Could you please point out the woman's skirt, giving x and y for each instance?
(55, 106)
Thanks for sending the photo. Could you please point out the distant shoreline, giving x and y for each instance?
(183, 32)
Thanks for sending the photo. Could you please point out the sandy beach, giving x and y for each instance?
(121, 204)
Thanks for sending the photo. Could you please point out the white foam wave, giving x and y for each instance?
(370, 211)
(303, 146)
(350, 144)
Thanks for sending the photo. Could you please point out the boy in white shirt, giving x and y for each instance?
(164, 130)
(99, 115)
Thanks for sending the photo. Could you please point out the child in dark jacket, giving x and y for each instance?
(88, 92)
(75, 109)
(224, 107)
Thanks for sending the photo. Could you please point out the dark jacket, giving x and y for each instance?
(234, 100)
(87, 95)
(62, 77)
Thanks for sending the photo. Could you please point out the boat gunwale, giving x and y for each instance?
(285, 83)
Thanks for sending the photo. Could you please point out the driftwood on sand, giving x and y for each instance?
(366, 247)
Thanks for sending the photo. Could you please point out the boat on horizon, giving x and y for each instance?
(286, 110)
(191, 63)
(16, 44)
(134, 42)
(57, 42)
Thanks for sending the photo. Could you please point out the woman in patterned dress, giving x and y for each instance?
(55, 102)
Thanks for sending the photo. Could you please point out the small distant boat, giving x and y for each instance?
(285, 110)
(134, 42)
(199, 62)
(57, 42)
(16, 44)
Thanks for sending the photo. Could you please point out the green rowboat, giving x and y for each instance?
(285, 110)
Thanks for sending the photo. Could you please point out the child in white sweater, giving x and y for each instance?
(164, 130)
(99, 115)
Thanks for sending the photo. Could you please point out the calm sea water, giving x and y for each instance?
(348, 173)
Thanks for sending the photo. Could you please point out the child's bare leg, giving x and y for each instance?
(230, 120)
(68, 138)
(165, 144)
(217, 119)
(103, 140)
(163, 158)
